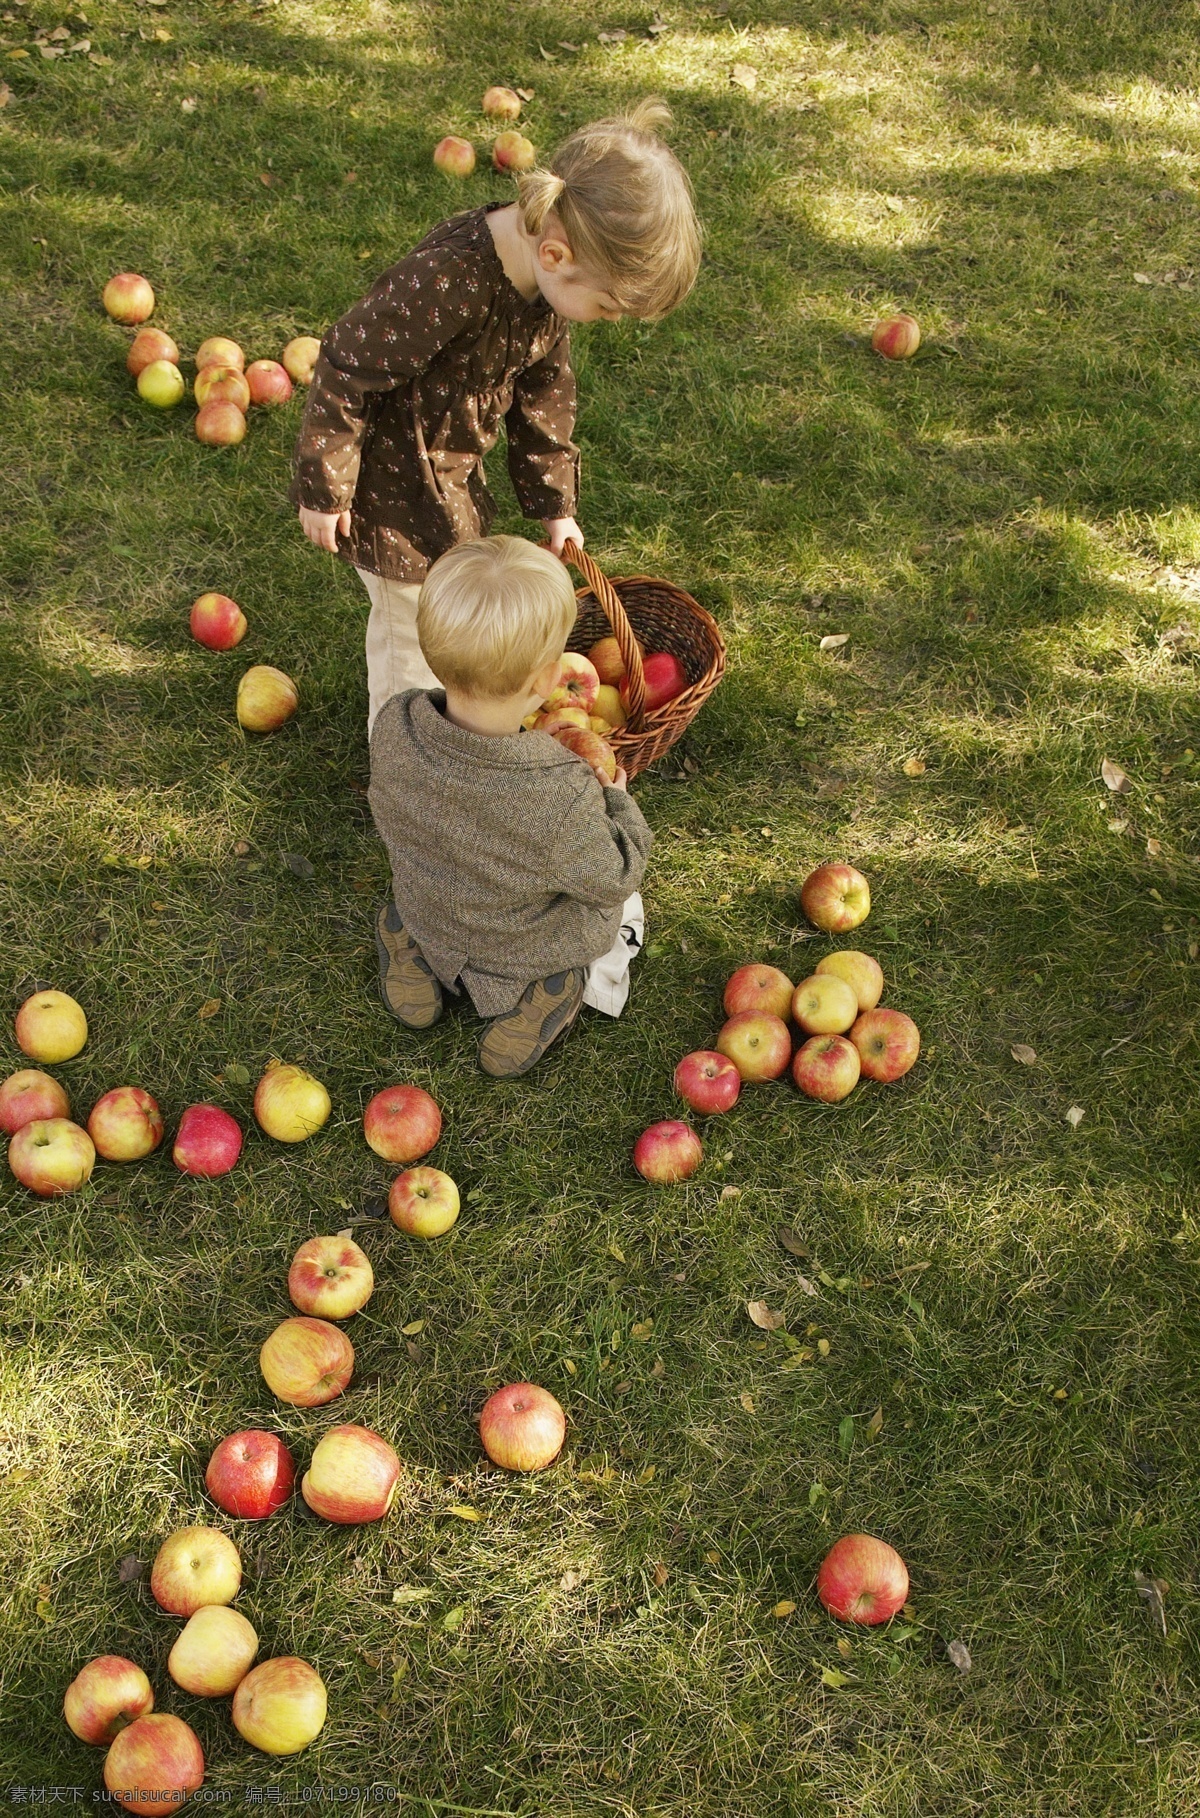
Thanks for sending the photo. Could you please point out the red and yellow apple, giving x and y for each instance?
(835, 898)
(216, 621)
(299, 358)
(353, 1476)
(289, 1103)
(104, 1696)
(402, 1123)
(50, 1026)
(330, 1277)
(219, 350)
(826, 1067)
(708, 1082)
(759, 988)
(155, 1764)
(896, 337)
(667, 1152)
(52, 1156)
(213, 1652)
(606, 659)
(577, 685)
(128, 297)
(596, 752)
(266, 697)
(306, 1362)
(454, 157)
(30, 1096)
(251, 1474)
(824, 1004)
(862, 1580)
(195, 1566)
(221, 384)
(424, 1202)
(220, 424)
(609, 706)
(501, 103)
(147, 346)
(758, 1044)
(207, 1143)
(557, 719)
(280, 1706)
(161, 384)
(863, 974)
(664, 676)
(125, 1124)
(522, 1427)
(269, 382)
(513, 151)
(888, 1043)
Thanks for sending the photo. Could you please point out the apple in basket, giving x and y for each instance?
(606, 659)
(556, 719)
(664, 677)
(577, 685)
(609, 707)
(595, 751)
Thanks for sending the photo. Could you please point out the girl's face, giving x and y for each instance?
(570, 289)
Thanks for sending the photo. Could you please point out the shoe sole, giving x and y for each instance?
(423, 1017)
(554, 1025)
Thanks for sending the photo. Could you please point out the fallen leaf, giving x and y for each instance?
(268, 179)
(1152, 1591)
(570, 1580)
(833, 1679)
(236, 1074)
(298, 865)
(875, 1424)
(208, 1009)
(747, 1401)
(550, 56)
(1075, 1116)
(641, 1330)
(790, 1241)
(959, 1655)
(731, 1192)
(81, 47)
(452, 1621)
(189, 104)
(130, 1569)
(410, 1593)
(763, 1317)
(805, 1286)
(1021, 1051)
(98, 58)
(785, 1607)
(350, 176)
(58, 34)
(657, 28)
(823, 1347)
(1153, 848)
(162, 35)
(526, 94)
(846, 1433)
(913, 766)
(1142, 277)
(844, 1647)
(894, 204)
(52, 50)
(45, 1610)
(834, 641)
(647, 1475)
(616, 1251)
(745, 76)
(658, 1368)
(1115, 777)
(16, 53)
(570, 1366)
(6, 94)
(464, 1512)
(413, 1327)
(613, 37)
(563, 45)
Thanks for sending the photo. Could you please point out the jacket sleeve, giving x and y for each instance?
(543, 461)
(388, 339)
(599, 855)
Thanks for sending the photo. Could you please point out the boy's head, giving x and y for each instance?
(492, 613)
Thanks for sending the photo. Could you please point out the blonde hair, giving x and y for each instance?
(625, 206)
(492, 611)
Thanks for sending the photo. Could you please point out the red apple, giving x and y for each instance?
(402, 1123)
(161, 384)
(125, 1124)
(222, 385)
(104, 1696)
(207, 1143)
(29, 1096)
(128, 297)
(269, 382)
(266, 698)
(665, 678)
(51, 1156)
(220, 424)
(501, 103)
(862, 1580)
(299, 358)
(596, 752)
(888, 1043)
(557, 719)
(835, 898)
(707, 1081)
(758, 1044)
(826, 1067)
(513, 151)
(147, 346)
(606, 659)
(306, 1362)
(213, 1652)
(50, 1026)
(522, 1427)
(896, 337)
(454, 157)
(155, 1764)
(330, 1277)
(195, 1566)
(353, 1476)
(250, 1474)
(863, 974)
(667, 1152)
(824, 1004)
(289, 1103)
(423, 1202)
(216, 621)
(219, 350)
(759, 988)
(577, 685)
(280, 1706)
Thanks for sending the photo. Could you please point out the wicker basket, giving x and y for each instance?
(658, 616)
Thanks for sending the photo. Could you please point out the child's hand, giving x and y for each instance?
(620, 781)
(324, 527)
(560, 531)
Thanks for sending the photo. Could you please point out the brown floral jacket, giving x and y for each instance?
(409, 393)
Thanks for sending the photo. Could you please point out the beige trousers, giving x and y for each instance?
(394, 659)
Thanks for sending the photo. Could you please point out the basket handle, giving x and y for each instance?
(614, 612)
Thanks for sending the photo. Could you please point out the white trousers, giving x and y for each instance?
(607, 987)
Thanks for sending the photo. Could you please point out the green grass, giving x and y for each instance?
(1006, 527)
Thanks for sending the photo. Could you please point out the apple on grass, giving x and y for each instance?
(51, 1156)
(227, 383)
(330, 1277)
(513, 151)
(862, 1580)
(28, 1096)
(219, 350)
(708, 1082)
(128, 297)
(207, 1143)
(213, 1652)
(289, 1103)
(577, 685)
(220, 424)
(352, 1477)
(147, 346)
(664, 676)
(306, 1362)
(758, 987)
(522, 1427)
(402, 1123)
(104, 1696)
(125, 1124)
(454, 157)
(595, 751)
(826, 1067)
(758, 1044)
(667, 1152)
(888, 1043)
(824, 1004)
(161, 384)
(299, 358)
(50, 1026)
(251, 1474)
(424, 1202)
(835, 898)
(266, 697)
(195, 1566)
(216, 621)
(268, 382)
(155, 1764)
(501, 103)
(280, 1706)
(863, 974)
(896, 337)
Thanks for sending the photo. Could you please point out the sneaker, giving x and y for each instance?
(514, 1043)
(407, 984)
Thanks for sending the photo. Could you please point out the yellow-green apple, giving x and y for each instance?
(835, 898)
(557, 719)
(148, 345)
(606, 659)
(266, 697)
(125, 1124)
(577, 685)
(51, 1156)
(707, 1081)
(299, 358)
(501, 103)
(250, 1474)
(664, 676)
(423, 1202)
(330, 1277)
(222, 382)
(513, 151)
(522, 1427)
(104, 1696)
(863, 974)
(826, 1067)
(824, 1004)
(30, 1096)
(289, 1103)
(759, 988)
(667, 1152)
(353, 1476)
(402, 1123)
(216, 621)
(268, 382)
(161, 384)
(609, 705)
(195, 1566)
(454, 157)
(896, 337)
(306, 1362)
(128, 297)
(758, 1044)
(862, 1579)
(220, 424)
(596, 752)
(219, 350)
(155, 1764)
(280, 1706)
(214, 1651)
(50, 1026)
(207, 1143)
(888, 1043)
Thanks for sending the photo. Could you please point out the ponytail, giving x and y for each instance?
(539, 190)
